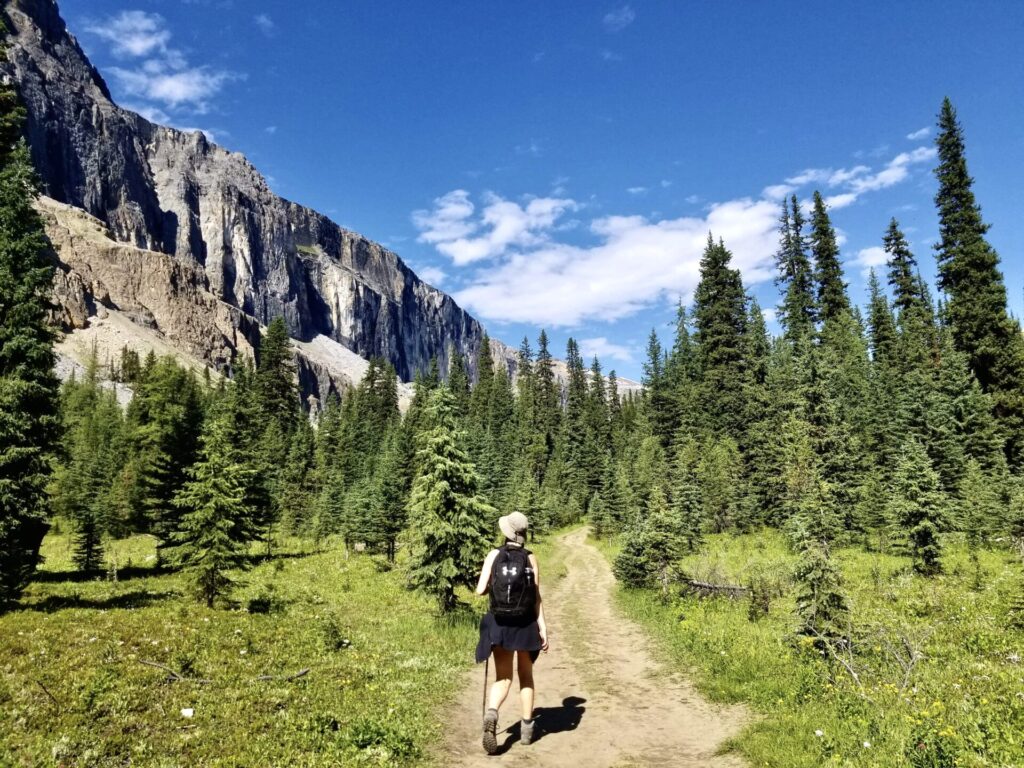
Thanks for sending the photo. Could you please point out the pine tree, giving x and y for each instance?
(798, 312)
(687, 504)
(969, 275)
(29, 391)
(216, 526)
(903, 272)
(576, 429)
(450, 523)
(832, 298)
(275, 377)
(720, 317)
(883, 329)
(820, 603)
(918, 508)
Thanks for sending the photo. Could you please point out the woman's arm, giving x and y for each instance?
(484, 582)
(542, 624)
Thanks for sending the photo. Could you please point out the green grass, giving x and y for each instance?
(961, 705)
(380, 666)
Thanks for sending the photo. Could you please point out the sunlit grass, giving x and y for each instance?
(961, 705)
(75, 693)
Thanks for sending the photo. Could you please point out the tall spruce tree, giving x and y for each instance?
(216, 526)
(449, 523)
(969, 275)
(828, 272)
(275, 377)
(720, 317)
(29, 391)
(798, 312)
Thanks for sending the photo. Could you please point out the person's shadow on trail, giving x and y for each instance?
(549, 721)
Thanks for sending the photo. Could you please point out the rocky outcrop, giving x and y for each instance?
(199, 247)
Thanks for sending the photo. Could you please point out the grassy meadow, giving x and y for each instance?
(74, 690)
(935, 679)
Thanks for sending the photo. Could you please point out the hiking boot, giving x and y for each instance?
(490, 728)
(526, 732)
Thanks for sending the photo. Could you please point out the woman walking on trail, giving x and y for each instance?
(514, 628)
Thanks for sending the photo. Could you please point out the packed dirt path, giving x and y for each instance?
(602, 699)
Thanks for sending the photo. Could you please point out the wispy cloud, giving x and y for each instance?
(525, 269)
(618, 19)
(502, 225)
(608, 55)
(265, 23)
(636, 190)
(870, 258)
(601, 348)
(433, 275)
(132, 33)
(919, 134)
(164, 77)
(271, 129)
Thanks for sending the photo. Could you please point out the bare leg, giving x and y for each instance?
(525, 683)
(503, 677)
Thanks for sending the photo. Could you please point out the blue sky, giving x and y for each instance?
(559, 164)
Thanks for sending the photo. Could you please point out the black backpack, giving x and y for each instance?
(513, 586)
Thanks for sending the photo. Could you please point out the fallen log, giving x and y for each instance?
(707, 589)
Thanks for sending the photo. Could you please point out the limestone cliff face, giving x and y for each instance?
(200, 226)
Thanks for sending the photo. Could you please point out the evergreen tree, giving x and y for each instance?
(275, 377)
(798, 311)
(576, 429)
(832, 298)
(720, 483)
(29, 391)
(970, 277)
(450, 523)
(216, 526)
(549, 396)
(918, 508)
(820, 603)
(903, 273)
(720, 317)
(687, 504)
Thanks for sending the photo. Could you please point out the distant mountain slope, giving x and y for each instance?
(168, 192)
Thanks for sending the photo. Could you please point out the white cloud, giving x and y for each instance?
(503, 224)
(636, 190)
(271, 129)
(151, 113)
(855, 181)
(449, 220)
(530, 272)
(635, 262)
(868, 258)
(835, 202)
(770, 314)
(154, 81)
(665, 183)
(919, 134)
(603, 349)
(265, 23)
(433, 275)
(132, 33)
(164, 77)
(693, 199)
(778, 191)
(610, 55)
(619, 19)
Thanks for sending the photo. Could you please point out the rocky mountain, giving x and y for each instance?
(161, 233)
(187, 239)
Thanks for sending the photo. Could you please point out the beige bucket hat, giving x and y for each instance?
(514, 527)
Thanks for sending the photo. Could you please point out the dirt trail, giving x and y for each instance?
(602, 701)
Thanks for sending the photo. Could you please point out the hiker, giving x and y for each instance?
(514, 628)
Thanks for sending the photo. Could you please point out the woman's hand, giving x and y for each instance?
(544, 640)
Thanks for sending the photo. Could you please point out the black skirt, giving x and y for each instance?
(520, 634)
